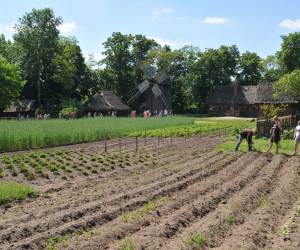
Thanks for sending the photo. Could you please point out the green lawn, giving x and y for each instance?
(285, 146)
(227, 120)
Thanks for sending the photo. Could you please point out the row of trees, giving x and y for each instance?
(42, 65)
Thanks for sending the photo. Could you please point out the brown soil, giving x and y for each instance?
(168, 195)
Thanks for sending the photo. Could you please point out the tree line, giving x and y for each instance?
(41, 64)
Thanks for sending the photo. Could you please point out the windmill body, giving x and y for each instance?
(158, 87)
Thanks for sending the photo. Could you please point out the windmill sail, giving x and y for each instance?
(161, 100)
(133, 94)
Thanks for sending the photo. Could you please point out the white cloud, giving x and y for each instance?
(180, 18)
(10, 28)
(166, 10)
(162, 42)
(68, 27)
(214, 20)
(154, 17)
(290, 24)
(0, 27)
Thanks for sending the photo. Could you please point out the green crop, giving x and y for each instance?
(15, 135)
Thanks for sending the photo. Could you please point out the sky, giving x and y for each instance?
(254, 26)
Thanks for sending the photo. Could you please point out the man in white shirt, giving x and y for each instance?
(297, 138)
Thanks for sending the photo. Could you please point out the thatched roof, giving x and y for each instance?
(104, 101)
(264, 94)
(225, 95)
(22, 106)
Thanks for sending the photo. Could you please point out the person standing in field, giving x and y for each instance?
(245, 134)
(27, 117)
(275, 134)
(297, 138)
(48, 116)
(59, 115)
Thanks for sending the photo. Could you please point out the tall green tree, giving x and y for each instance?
(10, 82)
(250, 69)
(289, 55)
(37, 33)
(270, 69)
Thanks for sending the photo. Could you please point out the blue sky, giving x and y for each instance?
(254, 25)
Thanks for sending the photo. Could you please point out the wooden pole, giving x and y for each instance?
(136, 143)
(105, 144)
(120, 143)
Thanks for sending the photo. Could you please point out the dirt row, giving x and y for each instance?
(179, 196)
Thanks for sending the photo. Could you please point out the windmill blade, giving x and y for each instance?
(136, 92)
(161, 75)
(161, 100)
(148, 71)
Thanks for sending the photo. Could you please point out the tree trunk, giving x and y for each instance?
(39, 86)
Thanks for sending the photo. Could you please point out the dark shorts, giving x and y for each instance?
(275, 140)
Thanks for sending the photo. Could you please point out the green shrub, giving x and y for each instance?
(68, 163)
(56, 173)
(23, 169)
(120, 165)
(58, 152)
(1, 175)
(64, 177)
(50, 153)
(30, 176)
(74, 166)
(112, 166)
(112, 162)
(39, 169)
(15, 191)
(6, 161)
(88, 166)
(71, 175)
(53, 168)
(127, 163)
(14, 172)
(84, 161)
(32, 154)
(93, 159)
(95, 165)
(121, 160)
(62, 166)
(10, 166)
(69, 170)
(80, 158)
(1, 169)
(100, 160)
(47, 158)
(47, 176)
(105, 163)
(69, 159)
(94, 170)
(81, 164)
(32, 164)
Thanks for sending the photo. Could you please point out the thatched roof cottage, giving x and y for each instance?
(245, 100)
(25, 107)
(105, 101)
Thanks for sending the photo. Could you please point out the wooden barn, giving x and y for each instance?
(105, 101)
(245, 100)
(232, 100)
(264, 95)
(26, 107)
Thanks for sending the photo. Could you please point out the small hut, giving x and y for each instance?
(104, 101)
(26, 107)
(264, 95)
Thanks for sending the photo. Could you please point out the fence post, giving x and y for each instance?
(136, 144)
(145, 138)
(105, 144)
(119, 143)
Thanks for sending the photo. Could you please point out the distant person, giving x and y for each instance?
(246, 134)
(48, 117)
(38, 116)
(19, 116)
(27, 117)
(59, 115)
(67, 116)
(95, 115)
(275, 134)
(297, 138)
(45, 117)
(22, 117)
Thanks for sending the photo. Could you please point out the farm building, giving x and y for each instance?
(105, 101)
(245, 100)
(264, 95)
(232, 100)
(26, 107)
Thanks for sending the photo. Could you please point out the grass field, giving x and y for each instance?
(285, 146)
(228, 120)
(17, 135)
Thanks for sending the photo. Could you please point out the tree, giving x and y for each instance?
(37, 34)
(289, 55)
(270, 71)
(10, 82)
(270, 110)
(250, 69)
(288, 85)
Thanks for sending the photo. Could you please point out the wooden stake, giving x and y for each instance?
(105, 144)
(136, 143)
(120, 143)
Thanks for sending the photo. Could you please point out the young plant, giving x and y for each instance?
(76, 238)
(125, 217)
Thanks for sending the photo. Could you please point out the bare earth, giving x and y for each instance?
(235, 201)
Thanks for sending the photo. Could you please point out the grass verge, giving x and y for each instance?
(285, 146)
(234, 122)
(12, 190)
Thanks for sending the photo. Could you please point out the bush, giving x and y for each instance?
(71, 175)
(62, 166)
(68, 163)
(95, 165)
(30, 176)
(88, 166)
(32, 154)
(84, 161)
(94, 170)
(15, 191)
(69, 170)
(56, 173)
(14, 172)
(1, 175)
(93, 159)
(127, 163)
(10, 166)
(64, 177)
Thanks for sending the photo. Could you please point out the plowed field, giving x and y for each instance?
(179, 196)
